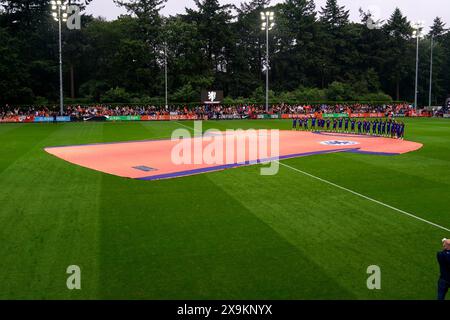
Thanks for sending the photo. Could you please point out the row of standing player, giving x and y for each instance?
(378, 127)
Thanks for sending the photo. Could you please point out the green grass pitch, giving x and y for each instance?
(223, 235)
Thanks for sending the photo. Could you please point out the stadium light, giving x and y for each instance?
(164, 52)
(418, 27)
(431, 71)
(59, 13)
(268, 22)
(165, 76)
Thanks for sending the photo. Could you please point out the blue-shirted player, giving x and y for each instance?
(394, 129)
(374, 127)
(443, 258)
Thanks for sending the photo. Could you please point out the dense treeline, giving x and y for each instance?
(316, 54)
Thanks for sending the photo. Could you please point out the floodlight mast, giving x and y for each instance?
(418, 26)
(59, 13)
(431, 71)
(268, 23)
(166, 64)
(165, 76)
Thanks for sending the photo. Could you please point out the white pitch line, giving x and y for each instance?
(193, 129)
(365, 197)
(353, 192)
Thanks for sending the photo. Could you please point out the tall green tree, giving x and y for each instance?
(398, 64)
(25, 14)
(441, 60)
(148, 33)
(249, 48)
(371, 51)
(217, 46)
(334, 16)
(336, 37)
(14, 79)
(438, 28)
(214, 32)
(296, 59)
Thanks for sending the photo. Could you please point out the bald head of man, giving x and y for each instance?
(446, 244)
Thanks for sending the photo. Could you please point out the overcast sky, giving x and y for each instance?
(382, 9)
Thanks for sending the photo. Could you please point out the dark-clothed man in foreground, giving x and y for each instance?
(444, 264)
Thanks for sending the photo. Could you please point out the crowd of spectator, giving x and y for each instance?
(344, 108)
(203, 110)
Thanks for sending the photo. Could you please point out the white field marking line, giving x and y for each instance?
(353, 192)
(191, 128)
(365, 197)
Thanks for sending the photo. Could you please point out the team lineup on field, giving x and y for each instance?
(378, 127)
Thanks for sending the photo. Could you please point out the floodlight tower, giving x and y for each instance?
(166, 64)
(431, 71)
(165, 76)
(268, 23)
(59, 12)
(418, 27)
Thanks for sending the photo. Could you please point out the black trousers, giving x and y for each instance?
(443, 287)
